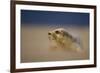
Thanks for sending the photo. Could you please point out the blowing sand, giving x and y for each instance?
(35, 45)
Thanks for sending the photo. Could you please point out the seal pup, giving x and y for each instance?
(60, 38)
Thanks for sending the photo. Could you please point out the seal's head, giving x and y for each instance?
(55, 34)
(59, 34)
(62, 38)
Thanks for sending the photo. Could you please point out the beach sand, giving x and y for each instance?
(35, 45)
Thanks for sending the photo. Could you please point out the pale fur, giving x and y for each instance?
(60, 38)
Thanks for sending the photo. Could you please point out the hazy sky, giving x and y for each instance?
(32, 17)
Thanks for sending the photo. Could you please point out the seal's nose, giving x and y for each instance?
(49, 33)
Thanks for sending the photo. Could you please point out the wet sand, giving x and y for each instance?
(35, 45)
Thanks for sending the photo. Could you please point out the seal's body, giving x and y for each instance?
(62, 39)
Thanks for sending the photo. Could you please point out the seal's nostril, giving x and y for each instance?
(49, 33)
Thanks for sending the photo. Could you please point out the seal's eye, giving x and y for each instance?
(49, 33)
(57, 32)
